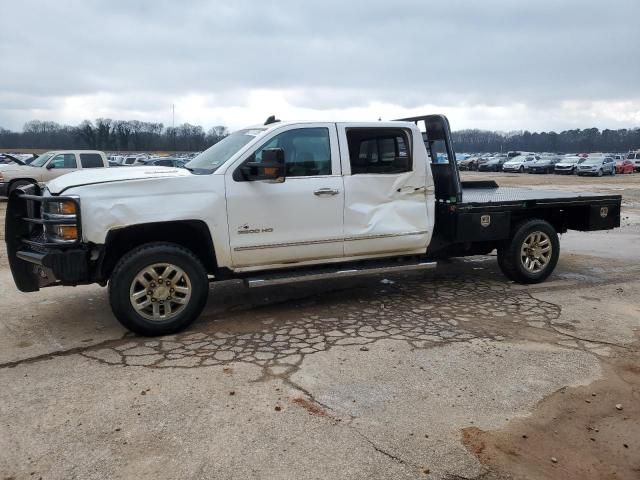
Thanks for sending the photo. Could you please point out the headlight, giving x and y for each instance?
(66, 207)
(61, 220)
(65, 232)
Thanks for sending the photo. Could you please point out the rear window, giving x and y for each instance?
(91, 160)
(379, 150)
(164, 163)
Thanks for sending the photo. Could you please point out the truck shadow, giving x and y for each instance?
(276, 328)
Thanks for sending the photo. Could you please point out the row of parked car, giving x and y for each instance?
(179, 160)
(579, 164)
(18, 170)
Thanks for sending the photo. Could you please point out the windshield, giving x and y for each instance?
(41, 160)
(212, 158)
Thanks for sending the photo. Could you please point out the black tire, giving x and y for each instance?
(17, 184)
(129, 267)
(521, 170)
(600, 173)
(509, 254)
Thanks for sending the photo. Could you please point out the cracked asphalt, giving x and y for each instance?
(452, 374)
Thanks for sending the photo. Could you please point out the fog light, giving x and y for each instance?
(66, 232)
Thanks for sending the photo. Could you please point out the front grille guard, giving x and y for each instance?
(27, 211)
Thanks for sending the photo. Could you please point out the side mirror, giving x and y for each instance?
(271, 168)
(50, 165)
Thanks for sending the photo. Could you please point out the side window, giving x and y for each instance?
(379, 150)
(63, 160)
(307, 151)
(91, 160)
(164, 163)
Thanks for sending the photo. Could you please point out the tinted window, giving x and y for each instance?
(164, 163)
(381, 151)
(307, 151)
(63, 160)
(91, 160)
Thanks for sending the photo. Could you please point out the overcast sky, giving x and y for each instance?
(491, 64)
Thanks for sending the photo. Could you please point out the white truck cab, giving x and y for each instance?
(277, 202)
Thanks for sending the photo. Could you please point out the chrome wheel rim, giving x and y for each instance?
(160, 291)
(536, 251)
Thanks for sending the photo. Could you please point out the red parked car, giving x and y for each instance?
(624, 166)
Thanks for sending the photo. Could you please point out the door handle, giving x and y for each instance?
(326, 191)
(409, 189)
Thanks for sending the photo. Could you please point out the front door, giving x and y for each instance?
(386, 207)
(299, 220)
(59, 165)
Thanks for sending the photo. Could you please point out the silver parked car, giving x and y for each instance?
(597, 166)
(568, 165)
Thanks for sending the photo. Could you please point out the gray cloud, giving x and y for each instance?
(326, 55)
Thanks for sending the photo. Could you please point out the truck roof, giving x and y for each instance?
(371, 124)
(56, 152)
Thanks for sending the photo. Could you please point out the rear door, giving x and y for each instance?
(385, 190)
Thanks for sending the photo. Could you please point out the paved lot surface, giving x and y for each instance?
(454, 374)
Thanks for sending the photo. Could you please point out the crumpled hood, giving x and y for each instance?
(112, 174)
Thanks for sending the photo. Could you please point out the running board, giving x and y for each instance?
(308, 275)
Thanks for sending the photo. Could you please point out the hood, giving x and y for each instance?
(108, 175)
(13, 168)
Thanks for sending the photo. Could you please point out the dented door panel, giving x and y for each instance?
(387, 213)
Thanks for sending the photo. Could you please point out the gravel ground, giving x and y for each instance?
(450, 374)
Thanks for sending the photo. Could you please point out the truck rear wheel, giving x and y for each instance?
(531, 254)
(158, 289)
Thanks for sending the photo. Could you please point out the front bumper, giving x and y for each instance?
(4, 189)
(35, 261)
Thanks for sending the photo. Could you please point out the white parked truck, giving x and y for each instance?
(48, 166)
(277, 203)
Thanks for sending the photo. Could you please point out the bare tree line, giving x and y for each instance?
(568, 141)
(112, 135)
(135, 135)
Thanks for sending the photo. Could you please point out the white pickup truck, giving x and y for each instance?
(277, 203)
(48, 166)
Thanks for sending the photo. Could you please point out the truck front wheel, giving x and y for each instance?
(532, 252)
(158, 289)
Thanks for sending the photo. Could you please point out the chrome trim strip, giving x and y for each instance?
(328, 240)
(287, 244)
(384, 235)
